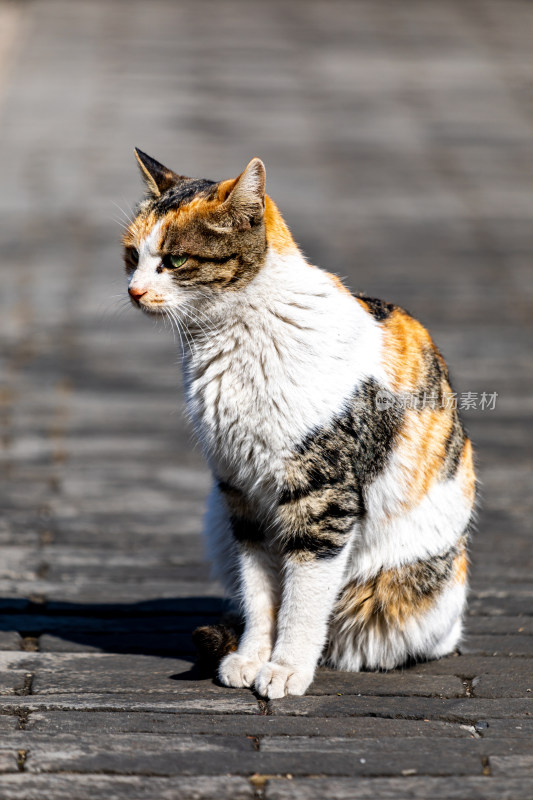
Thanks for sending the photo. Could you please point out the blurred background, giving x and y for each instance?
(397, 138)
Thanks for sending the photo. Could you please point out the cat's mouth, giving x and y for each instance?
(151, 307)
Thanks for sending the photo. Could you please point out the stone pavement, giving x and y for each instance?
(397, 139)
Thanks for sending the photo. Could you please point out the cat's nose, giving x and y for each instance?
(136, 294)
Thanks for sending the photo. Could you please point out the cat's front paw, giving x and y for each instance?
(238, 671)
(277, 680)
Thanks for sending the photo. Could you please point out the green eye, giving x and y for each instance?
(174, 262)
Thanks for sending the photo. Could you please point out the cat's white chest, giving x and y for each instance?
(278, 371)
(245, 407)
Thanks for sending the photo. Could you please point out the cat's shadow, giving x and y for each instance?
(159, 627)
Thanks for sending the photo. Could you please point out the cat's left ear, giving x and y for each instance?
(246, 199)
(156, 177)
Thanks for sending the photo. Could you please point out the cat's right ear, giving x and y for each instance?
(244, 204)
(156, 177)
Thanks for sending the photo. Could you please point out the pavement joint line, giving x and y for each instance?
(485, 763)
(467, 682)
(26, 689)
(21, 760)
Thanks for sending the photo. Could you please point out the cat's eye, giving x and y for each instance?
(132, 255)
(174, 262)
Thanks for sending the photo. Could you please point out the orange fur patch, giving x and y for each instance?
(198, 206)
(277, 233)
(139, 230)
(394, 596)
(421, 448)
(466, 471)
(225, 187)
(389, 600)
(460, 565)
(404, 341)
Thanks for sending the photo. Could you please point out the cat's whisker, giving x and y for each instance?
(129, 218)
(204, 294)
(207, 320)
(166, 320)
(205, 327)
(129, 207)
(114, 302)
(113, 310)
(202, 335)
(121, 223)
(124, 223)
(188, 337)
(174, 321)
(186, 332)
(118, 312)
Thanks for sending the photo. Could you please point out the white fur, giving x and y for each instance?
(259, 588)
(145, 278)
(257, 387)
(392, 536)
(266, 365)
(309, 592)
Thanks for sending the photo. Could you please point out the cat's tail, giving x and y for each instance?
(213, 642)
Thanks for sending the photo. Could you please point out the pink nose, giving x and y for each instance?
(136, 294)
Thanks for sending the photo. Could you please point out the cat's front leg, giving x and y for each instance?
(310, 589)
(258, 590)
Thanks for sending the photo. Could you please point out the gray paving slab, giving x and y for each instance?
(471, 666)
(507, 727)
(10, 639)
(405, 788)
(8, 722)
(123, 787)
(135, 754)
(142, 753)
(503, 685)
(194, 702)
(235, 724)
(519, 766)
(464, 710)
(397, 139)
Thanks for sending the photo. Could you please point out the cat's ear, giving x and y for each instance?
(245, 201)
(156, 177)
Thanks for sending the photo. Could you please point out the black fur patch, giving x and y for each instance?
(454, 446)
(435, 381)
(437, 385)
(326, 480)
(213, 642)
(429, 576)
(245, 528)
(246, 531)
(181, 193)
(379, 309)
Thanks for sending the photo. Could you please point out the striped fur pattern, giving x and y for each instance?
(339, 513)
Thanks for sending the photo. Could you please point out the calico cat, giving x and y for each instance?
(343, 480)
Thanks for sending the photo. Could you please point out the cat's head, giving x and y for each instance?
(193, 238)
